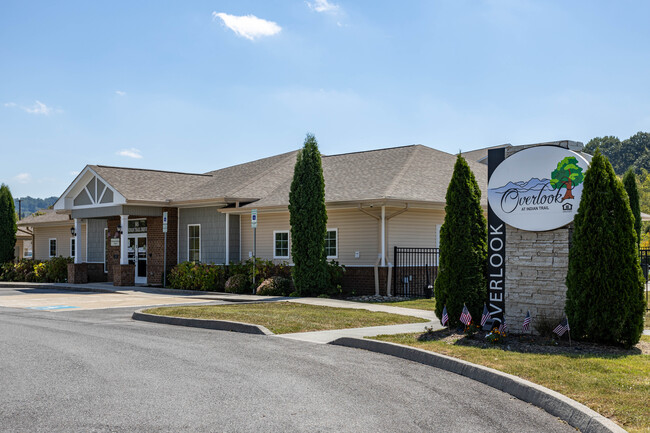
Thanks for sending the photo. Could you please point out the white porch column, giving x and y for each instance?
(124, 251)
(227, 238)
(77, 236)
(383, 235)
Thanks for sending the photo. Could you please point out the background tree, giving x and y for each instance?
(463, 248)
(630, 184)
(568, 174)
(308, 219)
(633, 152)
(7, 225)
(604, 282)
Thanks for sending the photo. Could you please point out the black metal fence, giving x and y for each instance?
(415, 271)
(645, 265)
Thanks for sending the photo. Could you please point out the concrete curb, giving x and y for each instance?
(54, 286)
(220, 325)
(575, 414)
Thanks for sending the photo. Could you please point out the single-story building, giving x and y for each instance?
(376, 200)
(46, 234)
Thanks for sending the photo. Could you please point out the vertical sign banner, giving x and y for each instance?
(496, 248)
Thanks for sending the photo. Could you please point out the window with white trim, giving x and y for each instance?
(73, 249)
(194, 242)
(27, 249)
(281, 244)
(52, 247)
(331, 243)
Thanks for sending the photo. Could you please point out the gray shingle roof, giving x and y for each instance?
(148, 185)
(45, 216)
(408, 173)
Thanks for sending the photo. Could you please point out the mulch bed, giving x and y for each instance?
(534, 344)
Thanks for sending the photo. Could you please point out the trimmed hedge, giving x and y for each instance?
(54, 270)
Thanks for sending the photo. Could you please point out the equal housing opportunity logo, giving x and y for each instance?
(538, 189)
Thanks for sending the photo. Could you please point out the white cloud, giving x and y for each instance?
(248, 26)
(38, 108)
(23, 178)
(120, 93)
(130, 153)
(323, 6)
(74, 173)
(10, 104)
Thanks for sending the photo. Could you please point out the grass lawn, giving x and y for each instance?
(418, 304)
(616, 386)
(288, 317)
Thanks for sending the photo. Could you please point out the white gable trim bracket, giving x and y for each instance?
(89, 190)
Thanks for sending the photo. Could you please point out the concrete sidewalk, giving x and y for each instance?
(325, 337)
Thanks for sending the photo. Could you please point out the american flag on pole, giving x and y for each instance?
(503, 327)
(445, 316)
(527, 319)
(465, 317)
(486, 315)
(562, 327)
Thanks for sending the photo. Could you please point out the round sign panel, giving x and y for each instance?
(538, 188)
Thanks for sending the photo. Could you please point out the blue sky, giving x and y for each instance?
(196, 86)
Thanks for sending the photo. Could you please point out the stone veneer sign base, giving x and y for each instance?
(527, 268)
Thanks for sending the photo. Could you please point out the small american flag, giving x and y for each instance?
(503, 327)
(526, 326)
(486, 315)
(562, 327)
(445, 316)
(465, 317)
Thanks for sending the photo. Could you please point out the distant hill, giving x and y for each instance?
(633, 152)
(29, 205)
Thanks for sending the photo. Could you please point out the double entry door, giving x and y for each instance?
(137, 249)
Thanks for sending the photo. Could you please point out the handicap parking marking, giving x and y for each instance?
(52, 307)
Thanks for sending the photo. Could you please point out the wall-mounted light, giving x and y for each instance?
(119, 229)
(73, 232)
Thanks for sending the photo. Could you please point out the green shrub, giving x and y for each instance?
(308, 219)
(275, 286)
(198, 276)
(605, 285)
(238, 283)
(335, 273)
(463, 248)
(56, 269)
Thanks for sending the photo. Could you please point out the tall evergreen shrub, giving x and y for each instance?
(463, 248)
(604, 281)
(629, 182)
(7, 225)
(308, 219)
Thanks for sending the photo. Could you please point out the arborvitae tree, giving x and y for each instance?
(604, 281)
(629, 181)
(463, 248)
(308, 219)
(7, 225)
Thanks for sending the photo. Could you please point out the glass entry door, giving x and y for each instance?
(137, 250)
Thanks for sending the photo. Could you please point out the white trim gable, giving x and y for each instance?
(79, 186)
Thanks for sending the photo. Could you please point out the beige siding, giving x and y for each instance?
(357, 231)
(267, 223)
(413, 228)
(43, 235)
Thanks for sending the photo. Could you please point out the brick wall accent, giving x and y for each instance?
(536, 269)
(156, 244)
(124, 275)
(96, 273)
(77, 273)
(112, 253)
(361, 280)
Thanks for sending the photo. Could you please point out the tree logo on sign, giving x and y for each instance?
(568, 174)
